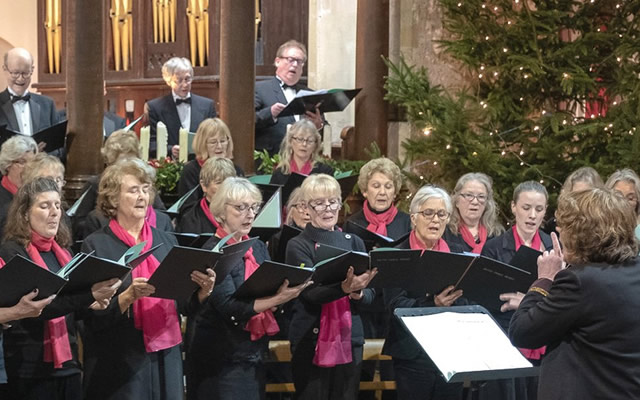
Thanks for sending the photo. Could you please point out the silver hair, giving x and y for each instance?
(233, 189)
(13, 149)
(430, 192)
(625, 175)
(174, 65)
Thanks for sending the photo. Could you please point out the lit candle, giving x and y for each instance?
(161, 140)
(183, 141)
(145, 136)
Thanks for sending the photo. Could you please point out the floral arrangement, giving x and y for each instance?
(168, 173)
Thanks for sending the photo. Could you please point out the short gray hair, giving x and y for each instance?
(428, 192)
(233, 189)
(13, 149)
(625, 175)
(174, 65)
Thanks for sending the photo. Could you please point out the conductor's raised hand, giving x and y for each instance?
(511, 301)
(551, 262)
(206, 281)
(447, 297)
(355, 283)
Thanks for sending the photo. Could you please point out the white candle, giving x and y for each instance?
(326, 141)
(183, 141)
(161, 140)
(145, 136)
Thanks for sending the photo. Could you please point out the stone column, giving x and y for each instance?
(372, 42)
(83, 34)
(237, 77)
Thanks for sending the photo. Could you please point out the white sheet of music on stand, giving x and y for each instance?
(464, 342)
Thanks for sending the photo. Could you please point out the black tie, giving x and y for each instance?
(285, 86)
(26, 97)
(180, 101)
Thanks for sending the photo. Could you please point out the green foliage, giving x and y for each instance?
(267, 163)
(522, 117)
(167, 174)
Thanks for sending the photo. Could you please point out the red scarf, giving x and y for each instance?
(7, 184)
(263, 323)
(56, 338)
(204, 205)
(157, 318)
(305, 170)
(151, 216)
(470, 240)
(416, 244)
(536, 243)
(378, 221)
(201, 162)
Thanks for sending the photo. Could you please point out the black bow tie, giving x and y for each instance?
(180, 101)
(26, 97)
(285, 86)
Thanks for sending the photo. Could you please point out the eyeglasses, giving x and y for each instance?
(187, 79)
(293, 60)
(470, 196)
(244, 208)
(301, 207)
(21, 162)
(59, 181)
(215, 143)
(430, 213)
(303, 141)
(16, 74)
(324, 205)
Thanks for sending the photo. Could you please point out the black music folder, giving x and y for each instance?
(54, 136)
(268, 278)
(465, 343)
(325, 100)
(371, 239)
(333, 270)
(195, 240)
(397, 268)
(20, 276)
(288, 233)
(293, 181)
(526, 258)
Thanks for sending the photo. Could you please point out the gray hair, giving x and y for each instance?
(428, 192)
(530, 186)
(489, 217)
(173, 65)
(233, 189)
(625, 175)
(584, 174)
(13, 149)
(294, 198)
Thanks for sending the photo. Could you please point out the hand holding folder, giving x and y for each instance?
(54, 136)
(323, 100)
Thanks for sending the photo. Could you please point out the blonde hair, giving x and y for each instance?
(320, 185)
(120, 143)
(294, 198)
(584, 174)
(233, 189)
(597, 227)
(216, 168)
(42, 163)
(489, 218)
(304, 127)
(111, 182)
(626, 175)
(384, 166)
(210, 128)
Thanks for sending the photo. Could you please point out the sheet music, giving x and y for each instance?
(464, 342)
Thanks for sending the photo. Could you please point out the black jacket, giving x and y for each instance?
(42, 108)
(278, 178)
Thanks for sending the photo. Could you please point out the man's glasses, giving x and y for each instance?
(430, 213)
(300, 140)
(187, 79)
(470, 196)
(244, 208)
(293, 60)
(324, 205)
(17, 74)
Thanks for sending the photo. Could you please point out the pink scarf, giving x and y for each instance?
(151, 216)
(305, 170)
(56, 338)
(536, 243)
(263, 323)
(416, 244)
(10, 186)
(157, 318)
(204, 205)
(470, 240)
(378, 221)
(201, 162)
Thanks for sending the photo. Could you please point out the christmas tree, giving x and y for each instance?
(557, 87)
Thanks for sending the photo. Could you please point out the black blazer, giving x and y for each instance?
(589, 322)
(164, 109)
(43, 112)
(278, 178)
(194, 220)
(5, 200)
(269, 133)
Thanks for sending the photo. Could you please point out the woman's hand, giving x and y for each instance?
(139, 288)
(27, 307)
(512, 301)
(105, 290)
(286, 293)
(353, 283)
(447, 297)
(205, 281)
(551, 262)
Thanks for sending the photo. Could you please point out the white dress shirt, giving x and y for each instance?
(184, 111)
(23, 114)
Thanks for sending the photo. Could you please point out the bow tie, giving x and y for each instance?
(285, 86)
(26, 97)
(180, 101)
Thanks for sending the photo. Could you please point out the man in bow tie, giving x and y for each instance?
(20, 110)
(273, 95)
(181, 108)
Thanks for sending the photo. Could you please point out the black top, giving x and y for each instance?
(399, 227)
(306, 309)
(5, 201)
(219, 335)
(399, 343)
(194, 220)
(449, 237)
(278, 178)
(24, 341)
(589, 322)
(503, 248)
(190, 178)
(95, 220)
(274, 244)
